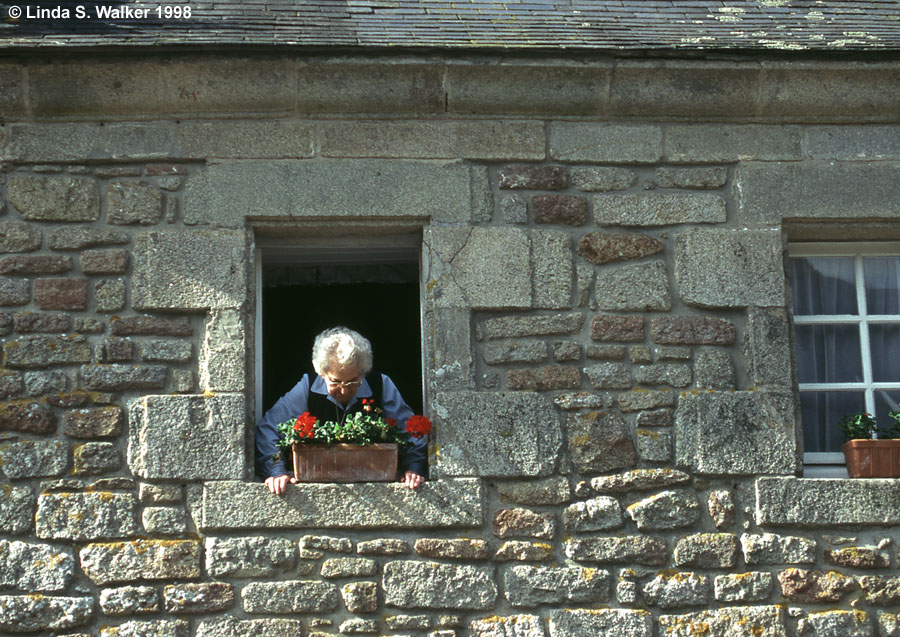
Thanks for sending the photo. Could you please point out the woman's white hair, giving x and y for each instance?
(340, 347)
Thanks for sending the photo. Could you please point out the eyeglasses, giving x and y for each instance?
(343, 384)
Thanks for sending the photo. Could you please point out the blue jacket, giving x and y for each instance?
(294, 403)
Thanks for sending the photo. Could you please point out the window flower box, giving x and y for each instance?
(342, 462)
(875, 458)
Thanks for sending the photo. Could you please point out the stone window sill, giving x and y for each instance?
(233, 505)
(827, 502)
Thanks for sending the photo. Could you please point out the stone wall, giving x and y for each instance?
(605, 314)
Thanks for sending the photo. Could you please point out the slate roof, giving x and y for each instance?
(513, 25)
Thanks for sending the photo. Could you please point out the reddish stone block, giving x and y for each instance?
(533, 178)
(104, 261)
(151, 326)
(27, 417)
(561, 209)
(61, 294)
(691, 330)
(624, 329)
(27, 264)
(35, 322)
(608, 247)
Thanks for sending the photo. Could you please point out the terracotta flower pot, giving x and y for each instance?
(872, 458)
(345, 463)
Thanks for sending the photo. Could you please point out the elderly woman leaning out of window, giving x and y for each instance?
(343, 379)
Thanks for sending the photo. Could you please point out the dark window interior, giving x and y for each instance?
(378, 300)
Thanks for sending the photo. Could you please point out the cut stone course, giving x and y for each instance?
(599, 441)
(248, 556)
(233, 627)
(635, 549)
(706, 178)
(544, 378)
(55, 198)
(33, 458)
(654, 445)
(198, 598)
(433, 585)
(292, 596)
(166, 351)
(665, 510)
(383, 546)
(468, 423)
(223, 352)
(636, 288)
(535, 585)
(164, 520)
(829, 503)
(141, 560)
(720, 504)
(714, 369)
(40, 322)
(553, 270)
(672, 374)
(858, 557)
(524, 523)
(520, 551)
(599, 143)
(768, 346)
(85, 516)
(80, 237)
(881, 591)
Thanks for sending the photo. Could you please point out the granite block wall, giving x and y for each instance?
(606, 326)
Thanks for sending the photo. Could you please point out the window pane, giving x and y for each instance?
(821, 412)
(885, 401)
(882, 284)
(828, 354)
(823, 285)
(885, 344)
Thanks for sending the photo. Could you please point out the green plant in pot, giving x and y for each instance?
(870, 451)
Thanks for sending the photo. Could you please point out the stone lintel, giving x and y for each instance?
(230, 505)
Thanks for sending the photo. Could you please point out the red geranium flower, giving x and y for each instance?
(392, 422)
(305, 425)
(418, 426)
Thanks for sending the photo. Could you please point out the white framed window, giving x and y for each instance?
(846, 309)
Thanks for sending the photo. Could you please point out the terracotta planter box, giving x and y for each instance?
(345, 463)
(872, 458)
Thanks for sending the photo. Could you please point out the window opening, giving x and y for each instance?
(371, 289)
(846, 310)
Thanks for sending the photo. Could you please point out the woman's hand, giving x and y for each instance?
(413, 480)
(278, 484)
